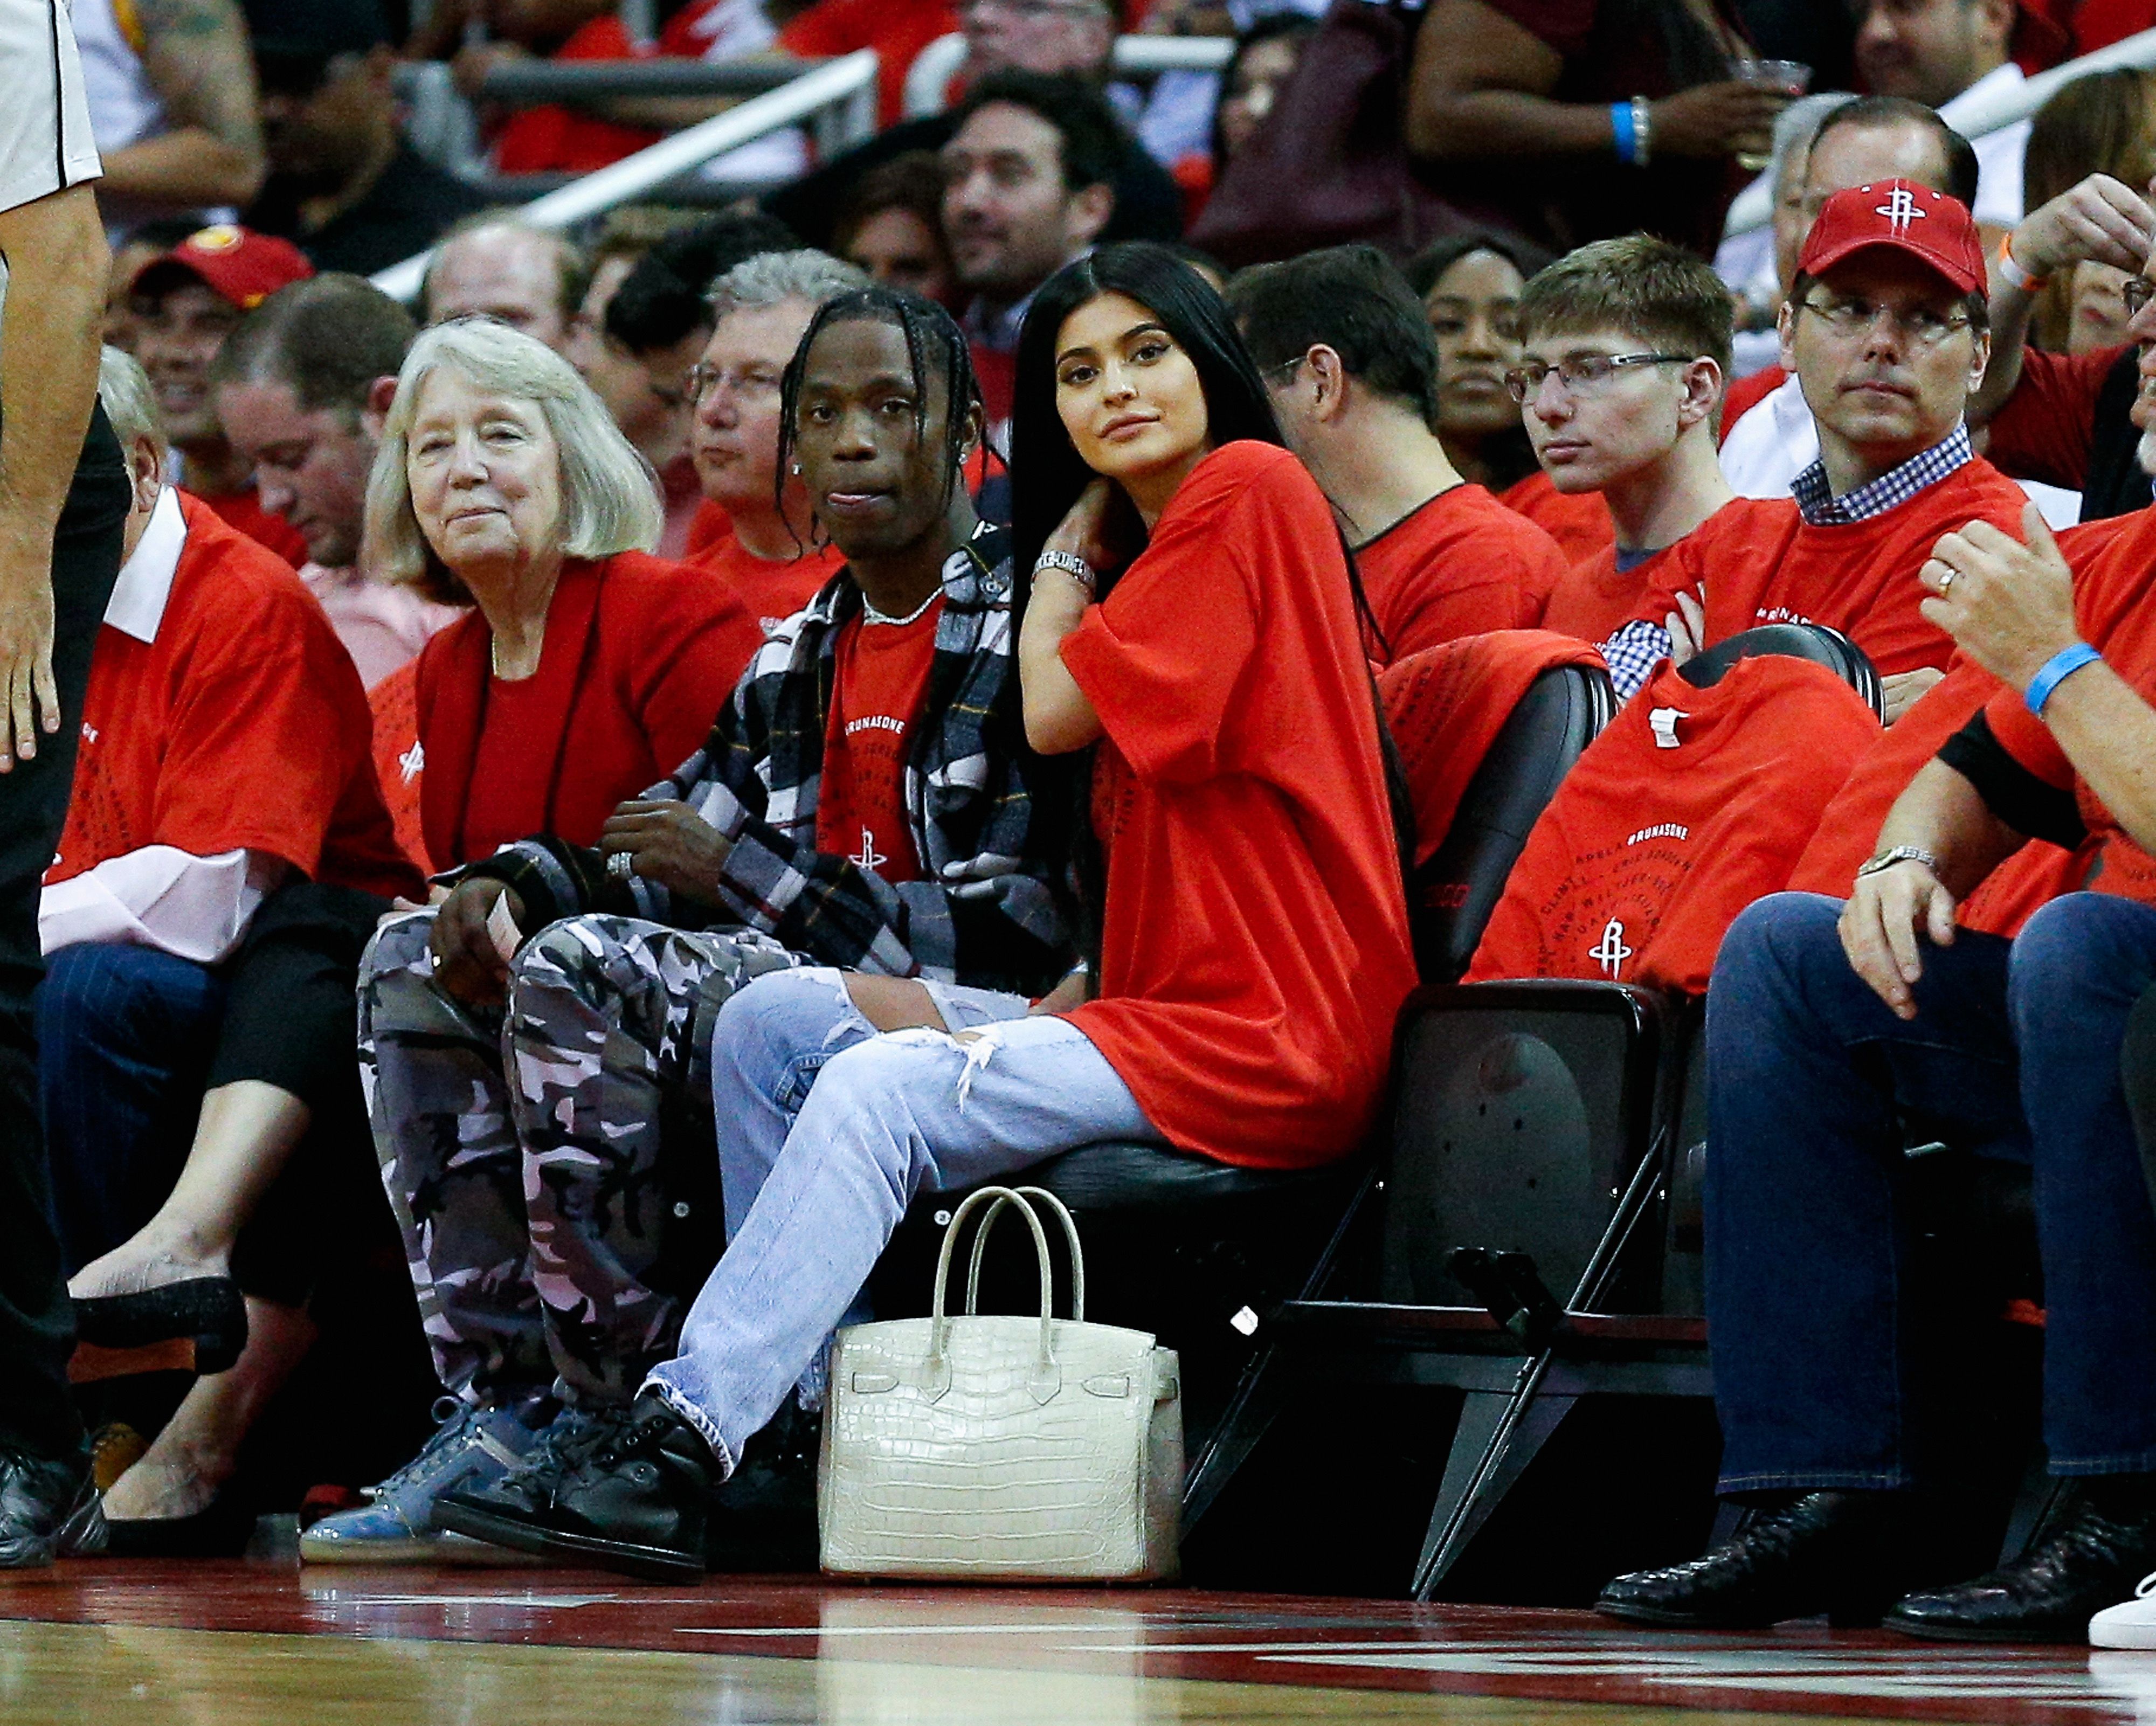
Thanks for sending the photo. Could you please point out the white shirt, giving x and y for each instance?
(1775, 440)
(1998, 154)
(196, 908)
(46, 141)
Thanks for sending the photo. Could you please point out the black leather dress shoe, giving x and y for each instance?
(764, 1518)
(1828, 1552)
(2049, 1593)
(37, 1494)
(632, 1493)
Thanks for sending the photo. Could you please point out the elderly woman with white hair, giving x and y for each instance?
(586, 670)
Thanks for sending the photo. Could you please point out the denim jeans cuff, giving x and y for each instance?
(706, 1428)
(1817, 1480)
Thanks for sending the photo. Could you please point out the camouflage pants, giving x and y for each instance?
(520, 1147)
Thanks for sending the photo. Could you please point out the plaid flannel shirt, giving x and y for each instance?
(990, 835)
(1638, 647)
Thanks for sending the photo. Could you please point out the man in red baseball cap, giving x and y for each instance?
(1885, 329)
(185, 303)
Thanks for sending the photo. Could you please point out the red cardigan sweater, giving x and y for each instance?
(640, 656)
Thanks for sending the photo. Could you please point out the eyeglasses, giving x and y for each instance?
(1917, 324)
(2136, 291)
(700, 380)
(1583, 373)
(1273, 376)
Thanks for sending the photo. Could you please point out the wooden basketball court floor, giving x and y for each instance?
(259, 1643)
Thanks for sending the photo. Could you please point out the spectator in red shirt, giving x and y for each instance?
(1885, 330)
(496, 264)
(1028, 183)
(1640, 434)
(1222, 680)
(1351, 373)
(1879, 1013)
(184, 304)
(226, 856)
(1471, 285)
(771, 554)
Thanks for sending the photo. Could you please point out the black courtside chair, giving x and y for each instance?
(1532, 1250)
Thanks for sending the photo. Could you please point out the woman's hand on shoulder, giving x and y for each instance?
(1083, 530)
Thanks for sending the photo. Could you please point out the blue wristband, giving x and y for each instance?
(1620, 127)
(2054, 671)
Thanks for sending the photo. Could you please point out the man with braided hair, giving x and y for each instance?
(866, 802)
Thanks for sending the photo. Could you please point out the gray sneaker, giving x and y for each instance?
(473, 1446)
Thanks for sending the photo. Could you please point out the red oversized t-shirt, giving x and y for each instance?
(2115, 608)
(1759, 561)
(1649, 850)
(1255, 950)
(1462, 564)
(1578, 521)
(772, 590)
(880, 678)
(242, 726)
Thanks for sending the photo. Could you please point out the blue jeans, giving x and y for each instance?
(826, 1131)
(1813, 1086)
(126, 1035)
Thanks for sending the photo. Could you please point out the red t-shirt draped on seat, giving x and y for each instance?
(1650, 848)
(639, 656)
(1759, 561)
(242, 727)
(1255, 950)
(1462, 564)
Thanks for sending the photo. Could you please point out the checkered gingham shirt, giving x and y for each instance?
(983, 822)
(1637, 648)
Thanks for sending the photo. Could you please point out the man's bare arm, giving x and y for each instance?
(56, 256)
(197, 59)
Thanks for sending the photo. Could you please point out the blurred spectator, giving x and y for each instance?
(1757, 265)
(498, 265)
(2104, 123)
(1644, 136)
(172, 103)
(896, 32)
(148, 241)
(892, 225)
(1938, 51)
(184, 304)
(1028, 186)
(1351, 369)
(343, 185)
(1250, 84)
(653, 421)
(1768, 437)
(226, 856)
(1044, 36)
(301, 387)
(1471, 285)
(771, 554)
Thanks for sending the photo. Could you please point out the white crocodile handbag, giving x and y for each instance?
(990, 1447)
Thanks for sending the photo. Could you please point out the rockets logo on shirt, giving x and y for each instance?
(1610, 952)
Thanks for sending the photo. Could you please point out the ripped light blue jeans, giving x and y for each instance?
(827, 1128)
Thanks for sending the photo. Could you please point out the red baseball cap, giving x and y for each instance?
(1929, 226)
(236, 264)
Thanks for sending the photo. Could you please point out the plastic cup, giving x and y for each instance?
(1791, 77)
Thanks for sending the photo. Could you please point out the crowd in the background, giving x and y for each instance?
(860, 679)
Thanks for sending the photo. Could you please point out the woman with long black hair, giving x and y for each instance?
(1252, 923)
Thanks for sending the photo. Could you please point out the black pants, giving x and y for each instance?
(37, 1325)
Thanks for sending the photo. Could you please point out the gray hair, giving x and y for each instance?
(609, 494)
(772, 278)
(1796, 127)
(124, 388)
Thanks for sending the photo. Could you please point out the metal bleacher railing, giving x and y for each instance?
(835, 100)
(1975, 117)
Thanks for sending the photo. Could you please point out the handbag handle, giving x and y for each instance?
(1047, 1378)
(1070, 1233)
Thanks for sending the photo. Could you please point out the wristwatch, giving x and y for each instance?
(1076, 567)
(1899, 854)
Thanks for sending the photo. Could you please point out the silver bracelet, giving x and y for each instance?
(1643, 126)
(1899, 854)
(1076, 567)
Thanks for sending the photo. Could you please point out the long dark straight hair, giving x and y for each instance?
(1048, 474)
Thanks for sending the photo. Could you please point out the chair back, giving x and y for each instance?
(1814, 642)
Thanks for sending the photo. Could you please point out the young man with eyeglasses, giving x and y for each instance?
(1885, 328)
(1351, 366)
(770, 550)
(1625, 346)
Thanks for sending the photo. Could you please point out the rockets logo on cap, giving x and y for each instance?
(1898, 215)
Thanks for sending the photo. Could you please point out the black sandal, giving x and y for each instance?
(197, 1325)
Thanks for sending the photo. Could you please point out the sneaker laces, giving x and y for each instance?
(454, 1418)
